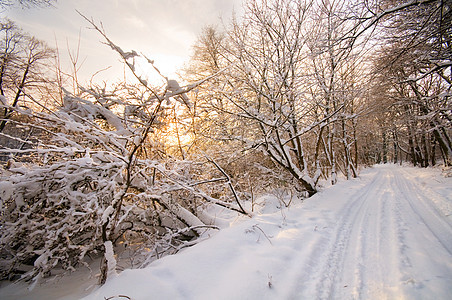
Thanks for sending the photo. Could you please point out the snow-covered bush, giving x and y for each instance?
(97, 179)
(54, 213)
(97, 176)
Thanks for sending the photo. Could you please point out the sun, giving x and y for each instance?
(177, 135)
(155, 68)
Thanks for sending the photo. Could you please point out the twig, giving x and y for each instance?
(228, 182)
(118, 296)
(256, 226)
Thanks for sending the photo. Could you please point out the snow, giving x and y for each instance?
(385, 235)
(111, 260)
(107, 213)
(6, 190)
(3, 100)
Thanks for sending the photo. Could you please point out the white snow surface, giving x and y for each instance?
(385, 235)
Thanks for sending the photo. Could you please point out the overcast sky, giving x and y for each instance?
(163, 29)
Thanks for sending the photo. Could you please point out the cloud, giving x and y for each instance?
(135, 22)
(161, 28)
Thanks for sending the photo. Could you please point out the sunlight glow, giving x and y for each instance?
(166, 64)
(174, 134)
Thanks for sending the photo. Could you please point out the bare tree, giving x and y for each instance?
(293, 83)
(416, 61)
(22, 59)
(338, 79)
(264, 86)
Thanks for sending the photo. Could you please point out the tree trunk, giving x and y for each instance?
(16, 98)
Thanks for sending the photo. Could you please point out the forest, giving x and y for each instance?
(288, 97)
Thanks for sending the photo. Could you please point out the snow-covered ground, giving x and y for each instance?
(386, 235)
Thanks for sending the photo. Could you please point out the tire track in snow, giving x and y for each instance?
(330, 262)
(361, 269)
(426, 212)
(370, 257)
(380, 236)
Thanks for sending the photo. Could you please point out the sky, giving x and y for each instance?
(165, 30)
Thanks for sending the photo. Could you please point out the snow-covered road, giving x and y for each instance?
(386, 240)
(387, 235)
